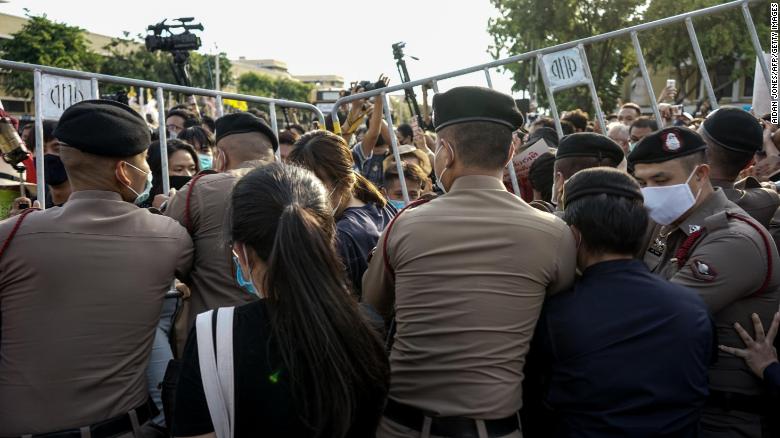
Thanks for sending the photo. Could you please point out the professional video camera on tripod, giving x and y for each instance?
(179, 45)
(411, 98)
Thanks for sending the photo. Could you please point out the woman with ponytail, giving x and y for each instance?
(360, 210)
(305, 362)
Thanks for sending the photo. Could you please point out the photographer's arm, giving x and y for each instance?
(374, 128)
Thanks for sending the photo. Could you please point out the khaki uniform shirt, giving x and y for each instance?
(213, 280)
(727, 266)
(472, 269)
(760, 203)
(81, 288)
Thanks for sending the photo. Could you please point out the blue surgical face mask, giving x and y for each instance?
(140, 198)
(399, 205)
(206, 161)
(245, 284)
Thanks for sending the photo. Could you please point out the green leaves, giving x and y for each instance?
(268, 86)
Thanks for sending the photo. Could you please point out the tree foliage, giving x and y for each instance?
(46, 42)
(268, 86)
(525, 25)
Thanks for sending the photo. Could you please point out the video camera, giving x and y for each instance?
(363, 86)
(173, 42)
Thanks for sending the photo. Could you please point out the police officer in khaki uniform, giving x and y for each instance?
(81, 286)
(711, 245)
(733, 136)
(244, 141)
(465, 276)
(583, 150)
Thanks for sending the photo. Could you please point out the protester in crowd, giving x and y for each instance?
(177, 120)
(710, 244)
(208, 124)
(404, 134)
(639, 129)
(582, 151)
(628, 113)
(243, 143)
(541, 122)
(578, 118)
(567, 127)
(182, 166)
(204, 143)
(416, 182)
(360, 210)
(550, 137)
(592, 341)
(447, 273)
(307, 363)
(760, 354)
(733, 137)
(369, 154)
(287, 139)
(541, 178)
(411, 155)
(619, 133)
(79, 314)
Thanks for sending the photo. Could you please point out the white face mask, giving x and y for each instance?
(667, 204)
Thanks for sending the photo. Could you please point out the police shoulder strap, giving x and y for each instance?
(15, 229)
(683, 252)
(188, 203)
(216, 367)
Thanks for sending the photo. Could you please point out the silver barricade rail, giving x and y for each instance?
(95, 78)
(588, 81)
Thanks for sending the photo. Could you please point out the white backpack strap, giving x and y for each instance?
(208, 374)
(225, 361)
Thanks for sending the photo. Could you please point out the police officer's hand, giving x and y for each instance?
(760, 353)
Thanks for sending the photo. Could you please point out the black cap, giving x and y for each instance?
(103, 127)
(734, 129)
(240, 123)
(599, 181)
(475, 104)
(589, 144)
(666, 144)
(548, 134)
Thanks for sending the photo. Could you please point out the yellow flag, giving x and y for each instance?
(237, 104)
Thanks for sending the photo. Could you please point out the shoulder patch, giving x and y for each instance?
(703, 270)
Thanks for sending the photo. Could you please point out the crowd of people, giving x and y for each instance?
(303, 283)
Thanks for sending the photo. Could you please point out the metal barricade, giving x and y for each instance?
(160, 88)
(580, 46)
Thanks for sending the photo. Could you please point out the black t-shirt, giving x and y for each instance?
(263, 399)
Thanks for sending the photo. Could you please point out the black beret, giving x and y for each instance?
(589, 144)
(600, 180)
(548, 134)
(103, 127)
(240, 123)
(475, 104)
(666, 144)
(734, 129)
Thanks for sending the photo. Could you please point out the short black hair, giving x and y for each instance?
(483, 145)
(545, 122)
(209, 121)
(609, 223)
(644, 122)
(690, 162)
(578, 118)
(567, 127)
(189, 117)
(406, 130)
(633, 106)
(541, 174)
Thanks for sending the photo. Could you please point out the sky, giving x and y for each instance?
(350, 38)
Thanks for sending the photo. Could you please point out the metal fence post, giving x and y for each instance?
(435, 86)
(40, 173)
(487, 77)
(756, 43)
(95, 90)
(550, 95)
(592, 87)
(702, 66)
(394, 145)
(220, 107)
(163, 131)
(275, 128)
(645, 75)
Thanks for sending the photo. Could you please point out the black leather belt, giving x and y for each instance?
(454, 427)
(111, 427)
(732, 401)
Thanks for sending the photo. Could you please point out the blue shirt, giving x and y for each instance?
(358, 231)
(370, 167)
(629, 354)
